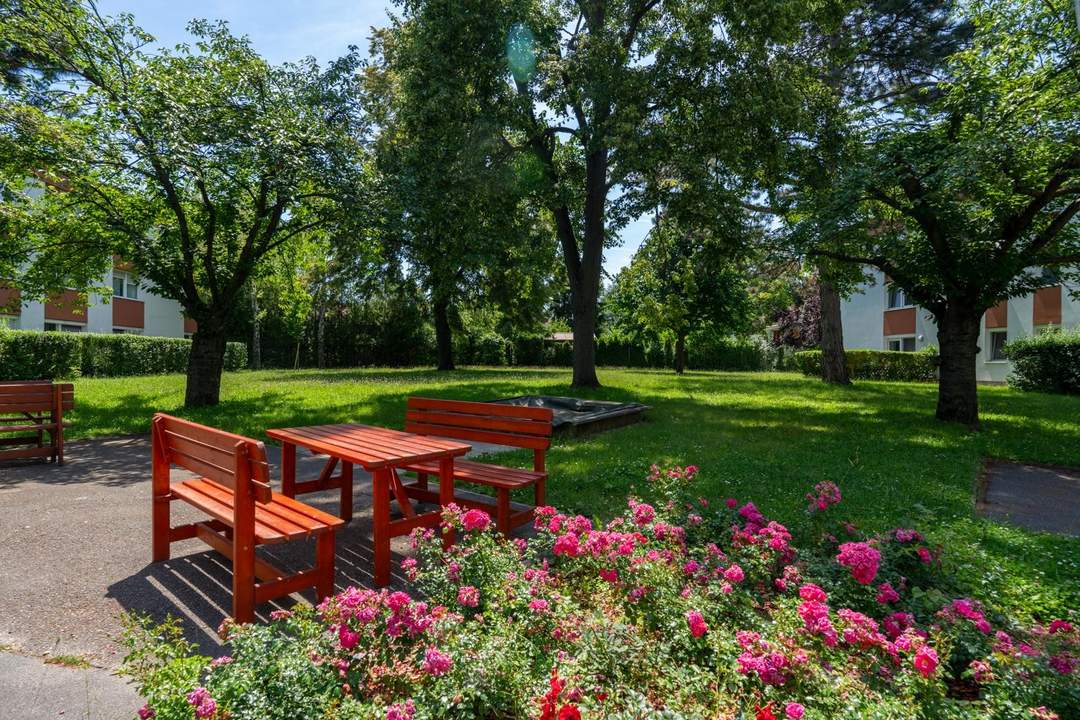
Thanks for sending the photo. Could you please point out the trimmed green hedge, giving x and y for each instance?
(1049, 362)
(35, 355)
(877, 364)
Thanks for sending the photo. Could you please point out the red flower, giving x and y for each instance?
(764, 712)
(569, 712)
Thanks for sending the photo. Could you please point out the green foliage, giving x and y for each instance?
(162, 665)
(1047, 362)
(35, 355)
(877, 364)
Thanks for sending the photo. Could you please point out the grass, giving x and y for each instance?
(765, 437)
(75, 662)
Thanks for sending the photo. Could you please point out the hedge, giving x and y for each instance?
(34, 355)
(1049, 362)
(877, 364)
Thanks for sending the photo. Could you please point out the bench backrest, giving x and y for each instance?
(227, 459)
(513, 425)
(35, 396)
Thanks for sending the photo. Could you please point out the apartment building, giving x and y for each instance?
(131, 309)
(879, 316)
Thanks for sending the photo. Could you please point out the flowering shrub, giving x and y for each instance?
(678, 608)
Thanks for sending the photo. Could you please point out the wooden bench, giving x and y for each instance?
(233, 488)
(32, 409)
(513, 425)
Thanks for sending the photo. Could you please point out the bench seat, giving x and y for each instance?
(496, 476)
(280, 520)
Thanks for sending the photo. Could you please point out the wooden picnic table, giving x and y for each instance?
(380, 451)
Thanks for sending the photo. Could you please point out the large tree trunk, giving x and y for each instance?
(958, 337)
(585, 342)
(833, 359)
(444, 336)
(205, 363)
(680, 354)
(256, 332)
(587, 280)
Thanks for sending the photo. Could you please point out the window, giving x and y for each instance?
(904, 343)
(125, 285)
(62, 327)
(897, 297)
(997, 341)
(127, 331)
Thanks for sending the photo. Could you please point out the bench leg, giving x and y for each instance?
(538, 493)
(502, 512)
(421, 481)
(160, 528)
(346, 491)
(324, 564)
(380, 520)
(243, 562)
(288, 470)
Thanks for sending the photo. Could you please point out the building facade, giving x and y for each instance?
(131, 309)
(879, 317)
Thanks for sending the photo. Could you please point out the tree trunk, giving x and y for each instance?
(958, 337)
(587, 290)
(256, 332)
(833, 359)
(444, 336)
(205, 363)
(584, 342)
(320, 336)
(680, 354)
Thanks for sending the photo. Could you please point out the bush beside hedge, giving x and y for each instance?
(35, 355)
(877, 364)
(1046, 363)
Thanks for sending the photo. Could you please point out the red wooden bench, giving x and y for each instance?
(31, 409)
(513, 425)
(233, 488)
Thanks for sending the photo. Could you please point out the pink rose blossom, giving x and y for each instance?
(794, 710)
(436, 663)
(926, 661)
(468, 596)
(475, 520)
(862, 559)
(697, 624)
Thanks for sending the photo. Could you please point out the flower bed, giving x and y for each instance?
(680, 608)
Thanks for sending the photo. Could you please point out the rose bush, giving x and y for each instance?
(679, 608)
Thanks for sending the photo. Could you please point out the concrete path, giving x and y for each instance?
(1034, 497)
(34, 690)
(74, 555)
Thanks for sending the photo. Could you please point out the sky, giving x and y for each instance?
(291, 29)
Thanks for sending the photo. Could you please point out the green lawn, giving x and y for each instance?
(766, 437)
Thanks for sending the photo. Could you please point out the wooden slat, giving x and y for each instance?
(369, 447)
(279, 522)
(28, 453)
(479, 408)
(191, 491)
(535, 443)
(285, 586)
(483, 422)
(210, 436)
(484, 474)
(27, 426)
(205, 468)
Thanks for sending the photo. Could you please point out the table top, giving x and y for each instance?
(369, 446)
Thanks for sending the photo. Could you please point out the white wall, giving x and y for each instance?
(861, 314)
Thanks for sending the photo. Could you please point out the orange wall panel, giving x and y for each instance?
(65, 307)
(1046, 308)
(899, 322)
(190, 326)
(998, 316)
(127, 313)
(9, 301)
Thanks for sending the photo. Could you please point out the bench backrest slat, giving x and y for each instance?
(34, 396)
(513, 425)
(212, 454)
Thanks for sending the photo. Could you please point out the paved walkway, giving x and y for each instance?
(74, 555)
(1034, 497)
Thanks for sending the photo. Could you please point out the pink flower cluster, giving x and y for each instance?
(825, 495)
(205, 706)
(970, 611)
(862, 559)
(696, 621)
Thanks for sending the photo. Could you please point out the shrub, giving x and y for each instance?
(723, 353)
(877, 364)
(1049, 362)
(35, 355)
(679, 608)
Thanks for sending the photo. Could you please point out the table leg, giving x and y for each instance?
(288, 469)
(380, 520)
(446, 493)
(346, 491)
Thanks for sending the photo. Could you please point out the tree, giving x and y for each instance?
(681, 280)
(599, 84)
(452, 193)
(194, 163)
(966, 192)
